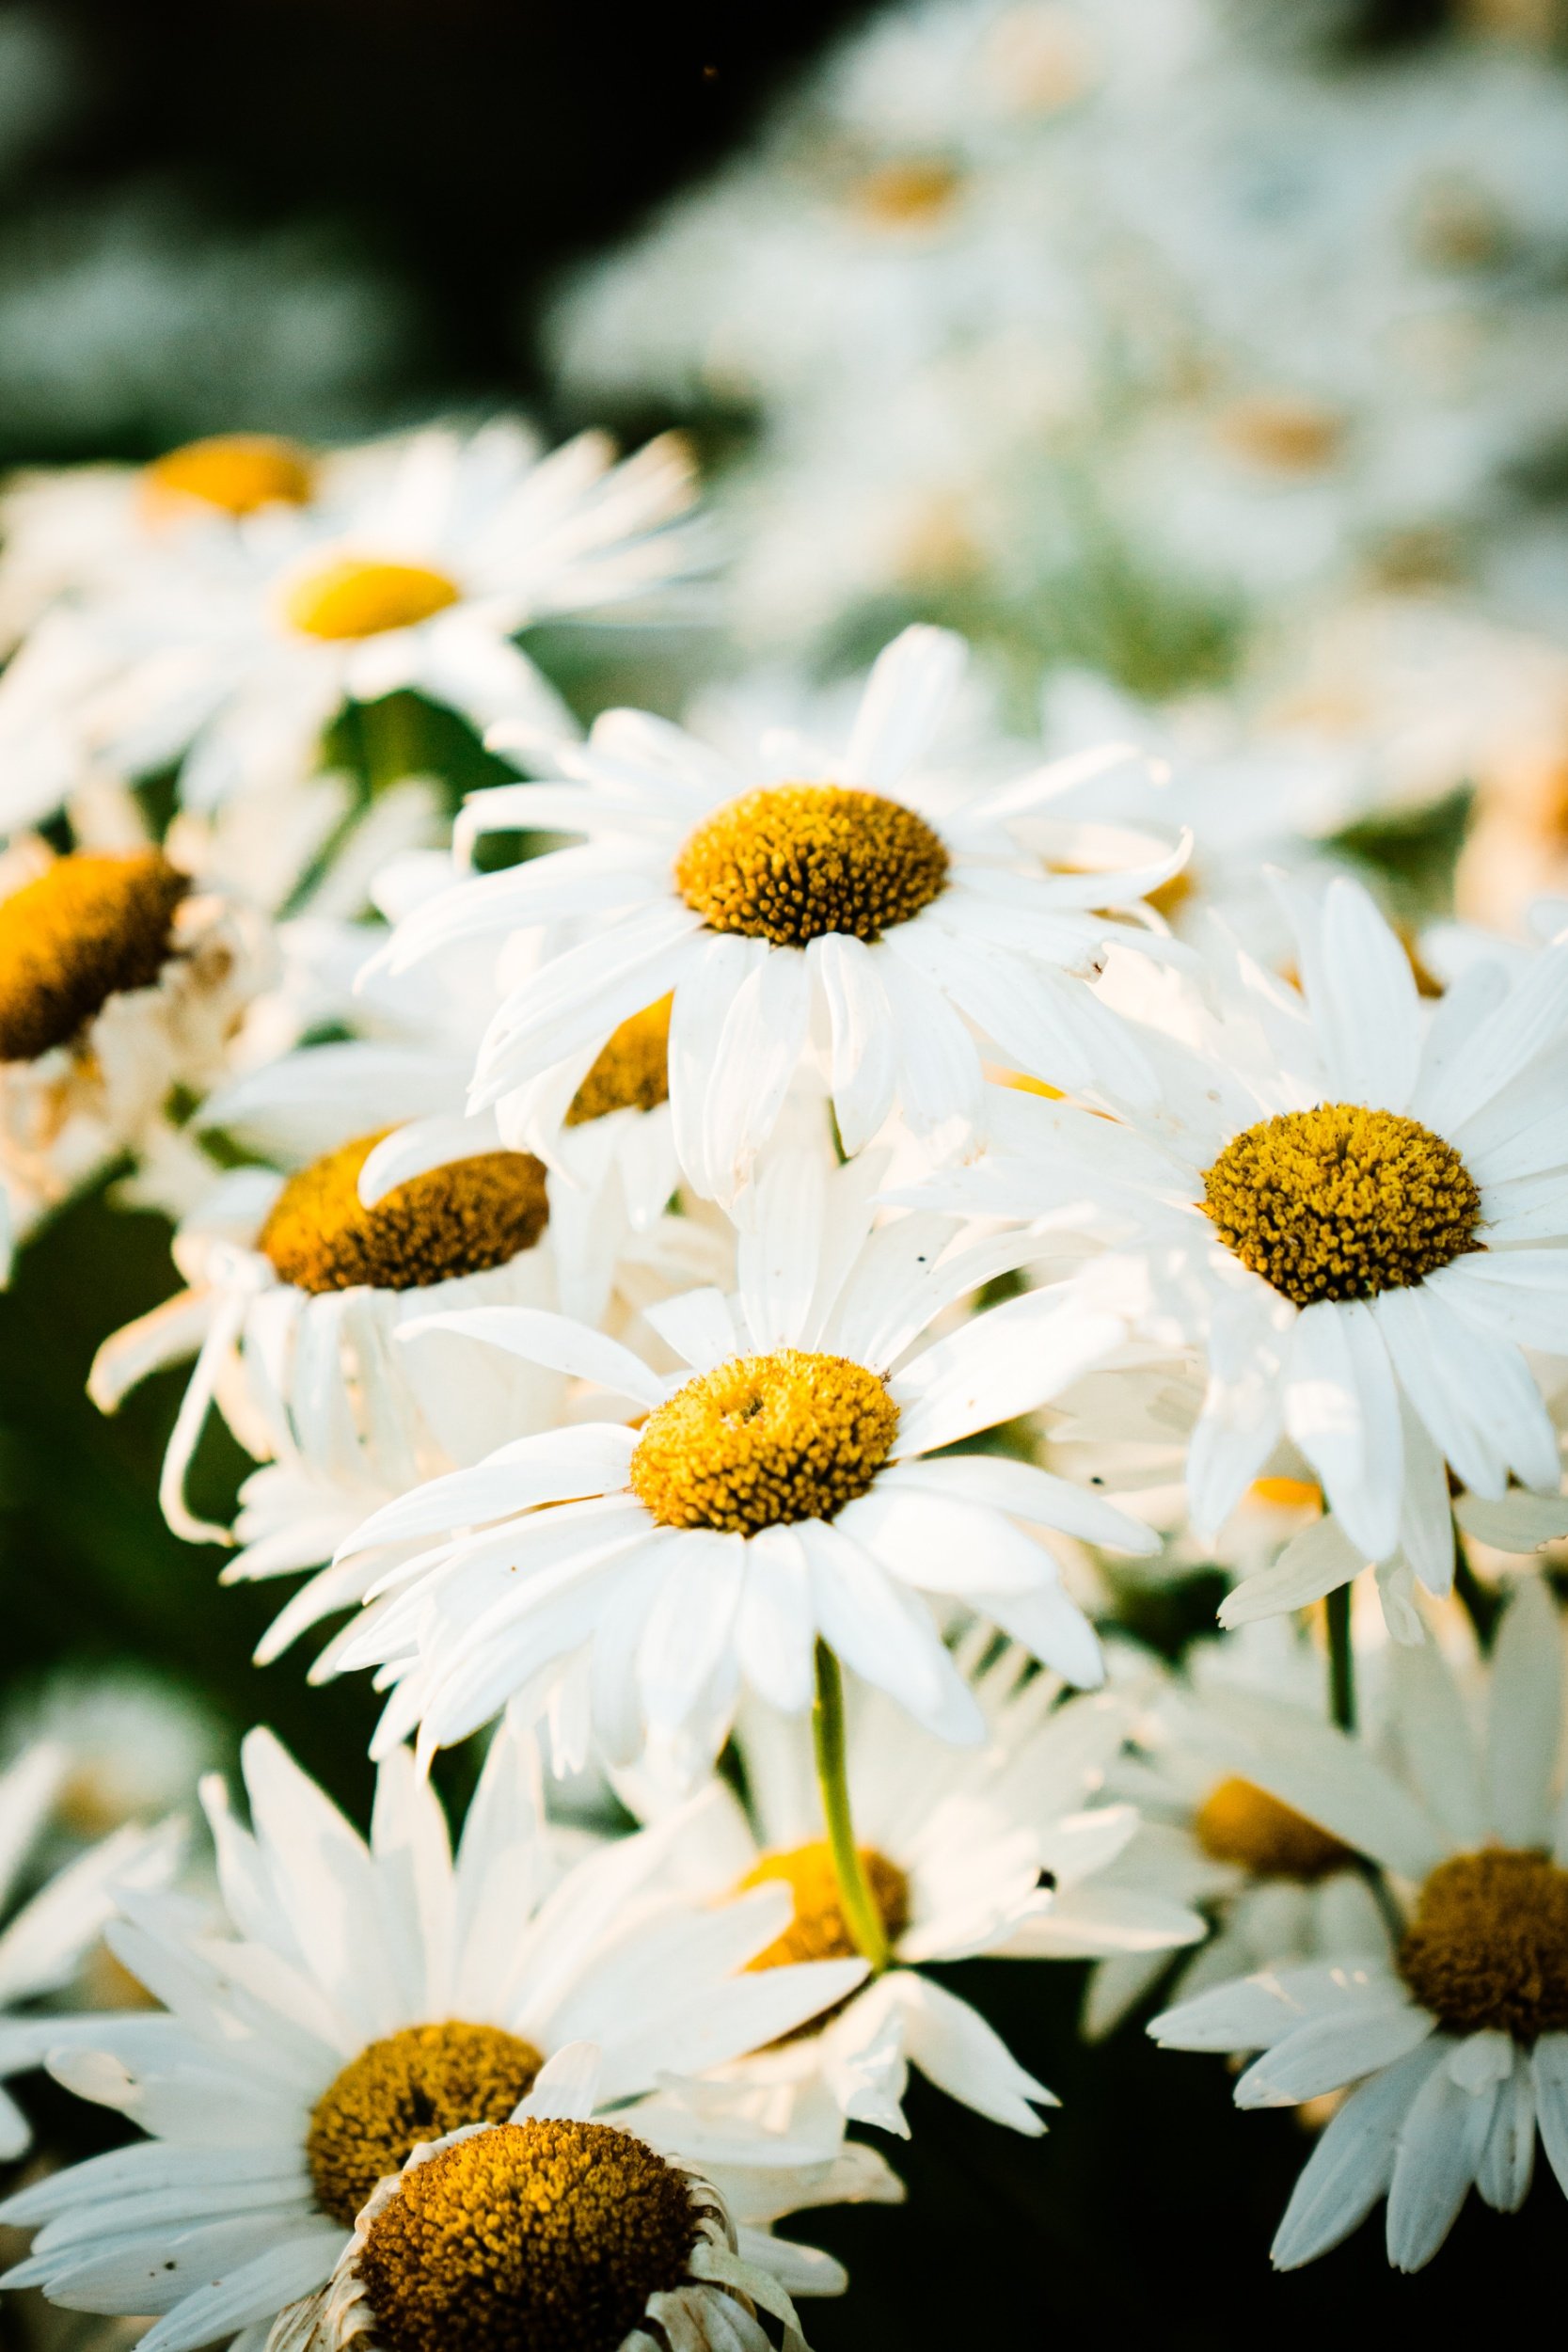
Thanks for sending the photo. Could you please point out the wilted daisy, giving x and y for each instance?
(779, 1490)
(1355, 1209)
(1455, 2034)
(230, 655)
(846, 891)
(118, 981)
(363, 2000)
(44, 1941)
(554, 2229)
(958, 1854)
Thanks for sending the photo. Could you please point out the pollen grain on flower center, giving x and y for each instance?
(1240, 1823)
(632, 1071)
(352, 598)
(1341, 1201)
(461, 1219)
(1488, 1946)
(819, 1930)
(236, 472)
(546, 2235)
(412, 2086)
(85, 929)
(765, 1442)
(795, 862)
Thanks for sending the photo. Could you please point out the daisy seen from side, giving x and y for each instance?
(1001, 1851)
(1452, 2038)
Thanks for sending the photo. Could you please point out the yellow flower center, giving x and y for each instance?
(796, 861)
(355, 598)
(236, 472)
(1488, 1946)
(461, 1219)
(536, 2237)
(1284, 435)
(83, 931)
(414, 2086)
(818, 1930)
(762, 1442)
(1240, 1822)
(1170, 897)
(1341, 1201)
(1287, 1494)
(912, 194)
(633, 1070)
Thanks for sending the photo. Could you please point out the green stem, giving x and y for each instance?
(862, 1913)
(1341, 1660)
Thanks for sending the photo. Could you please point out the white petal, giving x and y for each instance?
(554, 1341)
(1352, 2165)
(863, 1066)
(953, 2044)
(1027, 1493)
(1358, 982)
(1326, 2053)
(1524, 1725)
(1549, 2068)
(1007, 1362)
(912, 683)
(1508, 2161)
(1434, 1734)
(1341, 1407)
(1439, 2154)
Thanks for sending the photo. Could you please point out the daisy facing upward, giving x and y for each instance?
(1356, 1209)
(781, 1500)
(362, 2001)
(851, 892)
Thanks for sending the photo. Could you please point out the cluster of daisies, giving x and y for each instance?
(736, 1254)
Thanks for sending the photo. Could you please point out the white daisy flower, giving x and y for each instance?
(1277, 1886)
(361, 2000)
(778, 1493)
(73, 530)
(119, 982)
(607, 1130)
(845, 890)
(297, 1296)
(576, 2236)
(230, 655)
(1455, 2036)
(958, 1855)
(44, 1941)
(1355, 1212)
